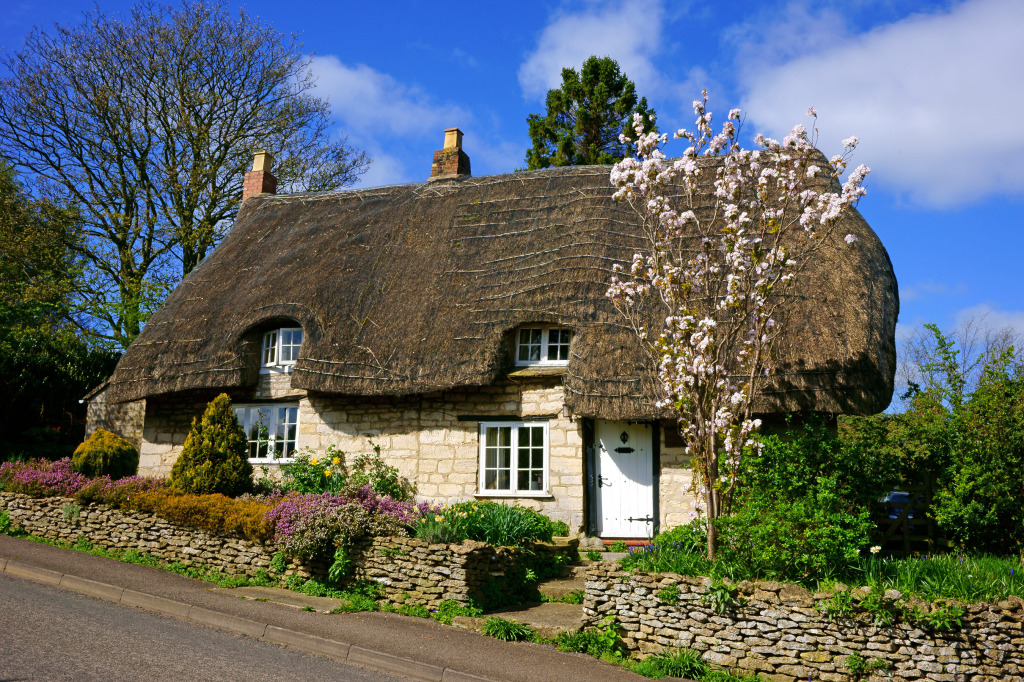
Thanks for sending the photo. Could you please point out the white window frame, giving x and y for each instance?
(273, 346)
(267, 443)
(514, 451)
(545, 345)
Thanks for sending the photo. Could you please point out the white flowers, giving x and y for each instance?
(716, 268)
(876, 549)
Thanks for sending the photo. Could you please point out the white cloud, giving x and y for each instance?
(369, 103)
(385, 170)
(628, 32)
(992, 319)
(933, 97)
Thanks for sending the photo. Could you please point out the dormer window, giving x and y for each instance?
(543, 346)
(280, 349)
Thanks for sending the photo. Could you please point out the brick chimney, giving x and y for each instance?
(450, 162)
(260, 180)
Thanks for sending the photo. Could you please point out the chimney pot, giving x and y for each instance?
(263, 161)
(453, 138)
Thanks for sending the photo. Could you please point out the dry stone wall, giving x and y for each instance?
(60, 518)
(777, 632)
(409, 570)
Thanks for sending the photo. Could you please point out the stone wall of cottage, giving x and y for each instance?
(124, 419)
(409, 571)
(432, 439)
(777, 631)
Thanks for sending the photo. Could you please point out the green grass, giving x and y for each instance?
(507, 630)
(967, 579)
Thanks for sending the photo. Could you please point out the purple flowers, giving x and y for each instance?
(40, 477)
(309, 525)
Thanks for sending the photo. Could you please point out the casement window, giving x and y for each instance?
(280, 349)
(272, 430)
(543, 346)
(514, 458)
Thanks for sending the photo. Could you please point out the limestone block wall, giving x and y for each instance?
(124, 419)
(676, 500)
(412, 571)
(409, 571)
(434, 439)
(778, 632)
(116, 529)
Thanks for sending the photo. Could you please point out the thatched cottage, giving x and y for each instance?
(461, 324)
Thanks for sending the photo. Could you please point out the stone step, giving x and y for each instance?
(556, 589)
(548, 619)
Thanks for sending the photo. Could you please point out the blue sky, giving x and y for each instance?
(934, 90)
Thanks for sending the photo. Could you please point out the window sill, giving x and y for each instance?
(538, 370)
(277, 369)
(267, 462)
(536, 494)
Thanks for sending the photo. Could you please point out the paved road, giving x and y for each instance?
(51, 634)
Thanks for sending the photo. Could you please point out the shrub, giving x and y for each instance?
(315, 526)
(42, 478)
(499, 525)
(309, 473)
(214, 513)
(979, 503)
(215, 456)
(371, 470)
(449, 610)
(106, 454)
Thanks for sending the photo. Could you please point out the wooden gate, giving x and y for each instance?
(904, 523)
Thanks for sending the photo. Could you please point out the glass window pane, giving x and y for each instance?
(490, 479)
(535, 352)
(504, 479)
(535, 336)
(492, 436)
(537, 480)
(523, 480)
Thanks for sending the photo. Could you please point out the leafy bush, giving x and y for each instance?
(106, 454)
(309, 473)
(6, 524)
(499, 525)
(215, 456)
(116, 494)
(450, 609)
(602, 642)
(979, 504)
(559, 528)
(371, 470)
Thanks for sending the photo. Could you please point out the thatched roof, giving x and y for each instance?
(417, 288)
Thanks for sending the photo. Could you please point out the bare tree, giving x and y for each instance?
(974, 341)
(148, 125)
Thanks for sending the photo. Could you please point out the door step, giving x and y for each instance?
(549, 619)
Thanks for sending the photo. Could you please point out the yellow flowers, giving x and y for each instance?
(439, 519)
(313, 461)
(328, 472)
(337, 460)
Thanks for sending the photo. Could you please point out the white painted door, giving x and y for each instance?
(625, 480)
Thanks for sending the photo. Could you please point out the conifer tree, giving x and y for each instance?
(585, 117)
(214, 459)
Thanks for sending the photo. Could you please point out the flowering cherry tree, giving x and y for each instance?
(718, 268)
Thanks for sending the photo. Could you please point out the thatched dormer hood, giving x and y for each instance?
(414, 289)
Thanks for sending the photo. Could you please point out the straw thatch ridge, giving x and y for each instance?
(417, 288)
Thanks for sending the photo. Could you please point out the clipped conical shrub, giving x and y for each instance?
(105, 454)
(215, 456)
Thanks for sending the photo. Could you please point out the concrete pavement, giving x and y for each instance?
(415, 648)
